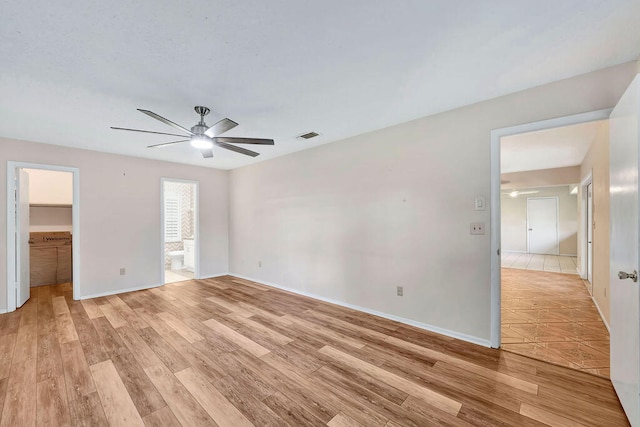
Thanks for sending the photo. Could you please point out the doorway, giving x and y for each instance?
(52, 201)
(547, 314)
(180, 243)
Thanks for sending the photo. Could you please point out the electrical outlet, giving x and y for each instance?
(123, 271)
(400, 291)
(477, 228)
(260, 264)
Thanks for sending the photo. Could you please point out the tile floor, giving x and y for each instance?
(551, 317)
(553, 263)
(172, 276)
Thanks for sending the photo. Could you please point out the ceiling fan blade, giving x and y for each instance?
(528, 192)
(165, 121)
(207, 153)
(237, 149)
(147, 131)
(260, 141)
(221, 127)
(165, 144)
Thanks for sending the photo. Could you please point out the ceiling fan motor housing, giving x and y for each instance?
(200, 128)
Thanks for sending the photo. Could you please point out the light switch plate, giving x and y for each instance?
(477, 228)
(480, 203)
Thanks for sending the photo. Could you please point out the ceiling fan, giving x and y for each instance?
(203, 137)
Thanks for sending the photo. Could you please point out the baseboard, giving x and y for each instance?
(606, 325)
(139, 288)
(120, 291)
(505, 251)
(3, 311)
(425, 326)
(214, 276)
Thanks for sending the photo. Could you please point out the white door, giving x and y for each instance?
(22, 238)
(542, 221)
(590, 235)
(624, 239)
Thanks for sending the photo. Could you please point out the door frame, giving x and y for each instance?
(496, 134)
(12, 169)
(588, 179)
(196, 221)
(557, 246)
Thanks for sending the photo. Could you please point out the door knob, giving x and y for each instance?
(633, 276)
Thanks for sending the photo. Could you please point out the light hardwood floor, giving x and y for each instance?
(235, 353)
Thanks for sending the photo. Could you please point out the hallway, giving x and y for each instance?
(551, 317)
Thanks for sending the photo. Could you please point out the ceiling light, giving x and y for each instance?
(201, 142)
(513, 194)
(574, 190)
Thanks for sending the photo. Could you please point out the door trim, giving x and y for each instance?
(557, 199)
(12, 168)
(196, 221)
(583, 249)
(496, 134)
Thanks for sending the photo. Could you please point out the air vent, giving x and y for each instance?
(307, 135)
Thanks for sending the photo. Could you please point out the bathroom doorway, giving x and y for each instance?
(179, 230)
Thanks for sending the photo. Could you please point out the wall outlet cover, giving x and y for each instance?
(476, 228)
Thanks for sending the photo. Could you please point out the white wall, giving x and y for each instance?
(597, 162)
(540, 178)
(50, 187)
(120, 214)
(352, 220)
(514, 220)
(50, 218)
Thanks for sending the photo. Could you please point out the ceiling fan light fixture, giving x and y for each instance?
(201, 142)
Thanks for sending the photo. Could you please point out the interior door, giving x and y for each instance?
(542, 221)
(590, 235)
(22, 238)
(624, 239)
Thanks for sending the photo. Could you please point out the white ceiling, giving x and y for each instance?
(547, 149)
(71, 69)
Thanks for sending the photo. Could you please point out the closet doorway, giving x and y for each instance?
(43, 213)
(180, 254)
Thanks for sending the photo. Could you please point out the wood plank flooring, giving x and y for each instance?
(230, 352)
(551, 316)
